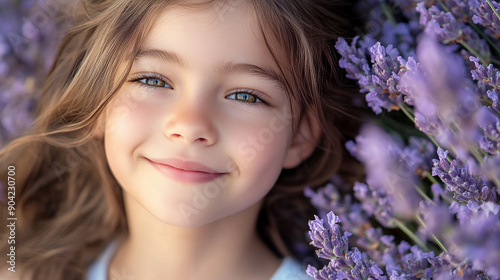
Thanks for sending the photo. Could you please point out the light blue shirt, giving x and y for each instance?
(289, 269)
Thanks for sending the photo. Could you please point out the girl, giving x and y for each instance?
(173, 140)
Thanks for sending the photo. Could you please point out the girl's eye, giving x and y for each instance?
(154, 82)
(246, 97)
(151, 80)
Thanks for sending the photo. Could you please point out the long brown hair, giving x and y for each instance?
(68, 204)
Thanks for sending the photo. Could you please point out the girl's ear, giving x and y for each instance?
(304, 141)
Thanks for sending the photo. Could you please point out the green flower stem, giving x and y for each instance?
(411, 115)
(434, 181)
(493, 8)
(475, 150)
(477, 154)
(487, 38)
(433, 140)
(388, 13)
(422, 193)
(410, 234)
(436, 239)
(497, 183)
(445, 8)
(473, 51)
(495, 61)
(474, 26)
(430, 177)
(408, 112)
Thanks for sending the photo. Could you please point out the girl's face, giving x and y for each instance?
(202, 128)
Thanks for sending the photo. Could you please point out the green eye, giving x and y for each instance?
(245, 97)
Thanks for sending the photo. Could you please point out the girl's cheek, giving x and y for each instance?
(128, 111)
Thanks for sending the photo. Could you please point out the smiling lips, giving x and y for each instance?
(185, 171)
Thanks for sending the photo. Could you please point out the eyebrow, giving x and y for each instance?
(222, 69)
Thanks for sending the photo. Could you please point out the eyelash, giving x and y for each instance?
(252, 92)
(151, 76)
(138, 79)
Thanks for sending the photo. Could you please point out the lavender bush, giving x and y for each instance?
(430, 206)
(29, 35)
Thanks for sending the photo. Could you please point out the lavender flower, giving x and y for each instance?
(459, 9)
(489, 168)
(449, 30)
(326, 198)
(443, 24)
(461, 114)
(390, 168)
(464, 185)
(490, 123)
(380, 80)
(353, 59)
(408, 67)
(436, 218)
(448, 267)
(383, 92)
(445, 104)
(28, 40)
(329, 241)
(409, 262)
(495, 99)
(484, 15)
(478, 237)
(488, 80)
(398, 35)
(333, 245)
(375, 202)
(489, 76)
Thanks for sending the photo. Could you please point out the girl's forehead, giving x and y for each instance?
(216, 18)
(220, 32)
(218, 21)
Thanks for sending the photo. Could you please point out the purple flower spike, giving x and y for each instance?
(484, 15)
(485, 75)
(445, 104)
(449, 267)
(436, 218)
(326, 273)
(408, 66)
(29, 37)
(449, 30)
(378, 81)
(490, 123)
(375, 202)
(489, 168)
(478, 239)
(333, 245)
(329, 240)
(391, 173)
(494, 95)
(384, 67)
(400, 36)
(488, 80)
(354, 218)
(443, 24)
(353, 59)
(459, 9)
(464, 185)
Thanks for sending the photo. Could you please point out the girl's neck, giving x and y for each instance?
(225, 249)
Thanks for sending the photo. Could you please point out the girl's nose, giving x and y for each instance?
(191, 122)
